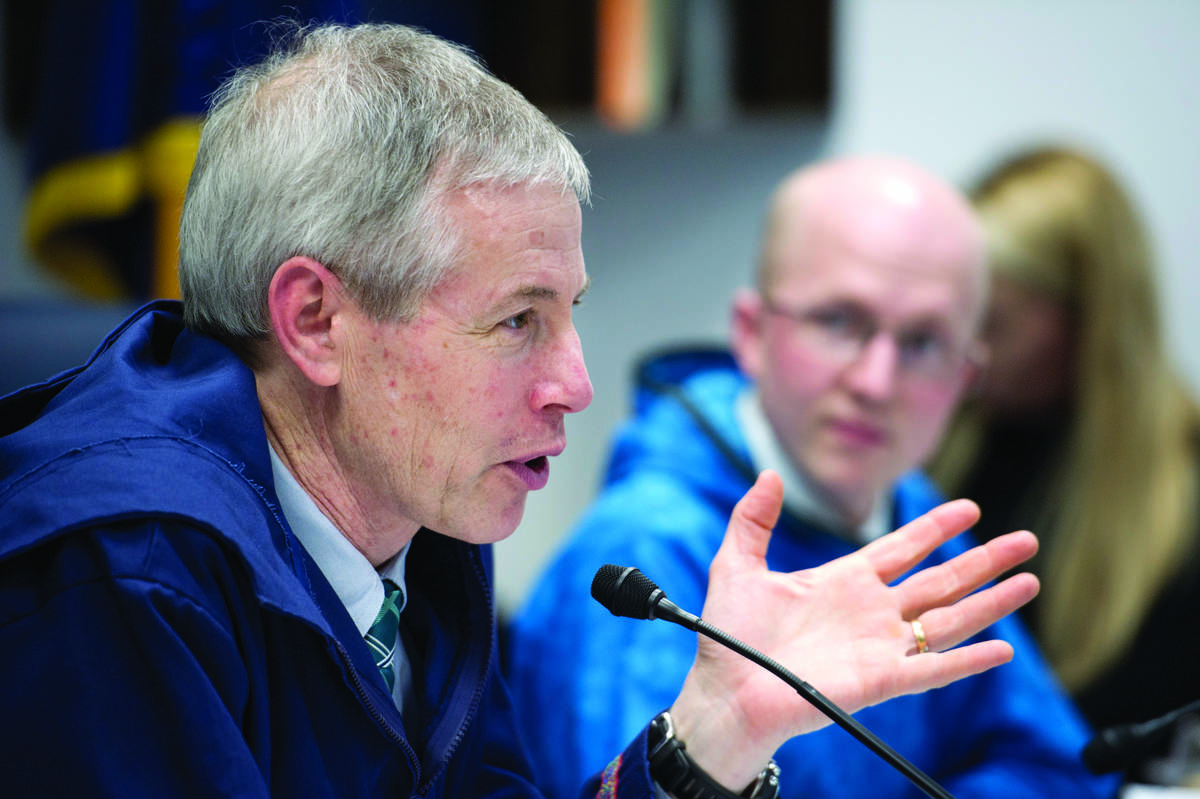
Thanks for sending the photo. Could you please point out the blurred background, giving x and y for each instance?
(687, 111)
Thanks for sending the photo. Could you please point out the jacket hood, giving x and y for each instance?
(119, 392)
(154, 399)
(678, 392)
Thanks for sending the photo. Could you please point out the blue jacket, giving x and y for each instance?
(677, 469)
(164, 633)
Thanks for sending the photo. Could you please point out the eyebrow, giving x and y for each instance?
(923, 322)
(544, 293)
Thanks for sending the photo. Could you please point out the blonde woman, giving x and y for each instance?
(1082, 431)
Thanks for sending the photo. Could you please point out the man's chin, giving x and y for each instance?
(850, 488)
(490, 526)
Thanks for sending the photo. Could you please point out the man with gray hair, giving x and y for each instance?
(245, 546)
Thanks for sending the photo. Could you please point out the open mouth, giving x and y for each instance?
(535, 472)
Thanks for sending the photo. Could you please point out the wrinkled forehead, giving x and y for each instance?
(544, 214)
(517, 241)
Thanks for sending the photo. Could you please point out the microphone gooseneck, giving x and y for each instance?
(625, 591)
(1115, 748)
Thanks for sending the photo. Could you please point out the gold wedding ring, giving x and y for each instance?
(919, 634)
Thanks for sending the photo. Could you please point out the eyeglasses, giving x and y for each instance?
(841, 331)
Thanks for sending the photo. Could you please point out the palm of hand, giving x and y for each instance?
(844, 627)
(839, 628)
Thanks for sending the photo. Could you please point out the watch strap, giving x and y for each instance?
(674, 770)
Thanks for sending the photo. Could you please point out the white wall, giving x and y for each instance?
(950, 83)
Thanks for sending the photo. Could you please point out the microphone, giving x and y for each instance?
(1115, 748)
(625, 591)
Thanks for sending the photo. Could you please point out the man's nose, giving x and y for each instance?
(875, 369)
(566, 384)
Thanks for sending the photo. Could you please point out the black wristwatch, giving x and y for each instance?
(677, 774)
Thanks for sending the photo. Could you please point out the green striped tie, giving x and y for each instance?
(381, 638)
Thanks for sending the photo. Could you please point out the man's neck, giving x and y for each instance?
(303, 444)
(801, 495)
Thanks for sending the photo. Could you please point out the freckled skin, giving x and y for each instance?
(483, 374)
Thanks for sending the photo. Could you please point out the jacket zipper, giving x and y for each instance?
(383, 723)
(481, 686)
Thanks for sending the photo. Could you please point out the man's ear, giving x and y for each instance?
(745, 331)
(976, 366)
(308, 308)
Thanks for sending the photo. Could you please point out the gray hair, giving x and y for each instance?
(339, 147)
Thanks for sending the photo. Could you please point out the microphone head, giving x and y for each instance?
(625, 591)
(1116, 748)
(1113, 749)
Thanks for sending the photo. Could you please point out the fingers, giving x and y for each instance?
(947, 582)
(933, 670)
(935, 595)
(949, 626)
(896, 553)
(752, 520)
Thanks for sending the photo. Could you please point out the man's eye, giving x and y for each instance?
(518, 321)
(837, 320)
(922, 344)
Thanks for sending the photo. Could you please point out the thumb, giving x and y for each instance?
(753, 518)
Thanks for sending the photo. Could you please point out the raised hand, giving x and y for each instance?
(843, 627)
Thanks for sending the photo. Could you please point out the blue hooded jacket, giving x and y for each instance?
(677, 469)
(165, 634)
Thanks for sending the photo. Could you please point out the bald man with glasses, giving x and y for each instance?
(846, 361)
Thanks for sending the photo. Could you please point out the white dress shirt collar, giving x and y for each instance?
(355, 581)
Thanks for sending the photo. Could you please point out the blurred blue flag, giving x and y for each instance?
(108, 97)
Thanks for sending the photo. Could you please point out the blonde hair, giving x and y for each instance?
(1123, 512)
